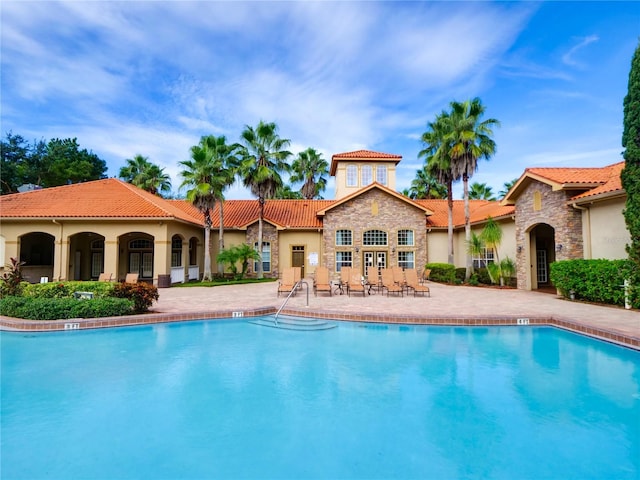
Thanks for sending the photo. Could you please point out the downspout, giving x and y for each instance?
(60, 253)
(586, 227)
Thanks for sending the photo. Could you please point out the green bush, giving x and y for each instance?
(483, 276)
(594, 280)
(142, 294)
(64, 308)
(442, 272)
(67, 289)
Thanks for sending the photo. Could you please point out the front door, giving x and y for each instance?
(297, 257)
(376, 259)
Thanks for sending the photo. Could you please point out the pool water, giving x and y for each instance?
(234, 400)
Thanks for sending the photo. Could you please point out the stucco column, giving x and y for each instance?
(161, 258)
(111, 256)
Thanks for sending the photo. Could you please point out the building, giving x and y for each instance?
(76, 232)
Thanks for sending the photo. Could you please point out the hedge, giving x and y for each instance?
(64, 308)
(441, 272)
(595, 280)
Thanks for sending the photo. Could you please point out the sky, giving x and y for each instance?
(153, 77)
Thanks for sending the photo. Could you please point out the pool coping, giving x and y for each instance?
(10, 324)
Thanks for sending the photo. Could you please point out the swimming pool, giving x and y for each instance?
(230, 399)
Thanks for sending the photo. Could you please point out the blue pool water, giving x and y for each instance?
(233, 400)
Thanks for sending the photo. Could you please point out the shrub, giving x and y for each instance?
(442, 272)
(142, 294)
(67, 289)
(483, 275)
(594, 280)
(63, 308)
(11, 283)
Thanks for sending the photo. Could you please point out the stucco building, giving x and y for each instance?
(76, 232)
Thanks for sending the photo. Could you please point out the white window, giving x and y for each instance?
(374, 237)
(381, 174)
(176, 251)
(406, 259)
(343, 259)
(367, 175)
(344, 237)
(405, 238)
(266, 257)
(352, 176)
(481, 260)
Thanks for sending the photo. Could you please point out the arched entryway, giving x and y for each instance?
(86, 256)
(37, 252)
(542, 253)
(136, 255)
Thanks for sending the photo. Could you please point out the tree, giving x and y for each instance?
(145, 175)
(438, 164)
(480, 191)
(15, 155)
(285, 192)
(309, 167)
(205, 181)
(263, 159)
(425, 186)
(506, 187)
(469, 139)
(630, 175)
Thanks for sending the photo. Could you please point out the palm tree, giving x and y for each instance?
(225, 162)
(263, 158)
(309, 167)
(146, 175)
(438, 165)
(506, 187)
(469, 139)
(205, 179)
(481, 191)
(285, 192)
(424, 186)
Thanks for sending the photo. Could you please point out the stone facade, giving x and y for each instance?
(540, 205)
(270, 235)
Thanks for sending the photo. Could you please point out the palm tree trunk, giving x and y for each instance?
(450, 222)
(259, 272)
(221, 238)
(467, 225)
(206, 276)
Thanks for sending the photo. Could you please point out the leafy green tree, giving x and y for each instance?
(65, 163)
(630, 175)
(263, 159)
(205, 182)
(146, 175)
(469, 139)
(242, 254)
(480, 191)
(506, 187)
(425, 186)
(438, 164)
(309, 167)
(285, 192)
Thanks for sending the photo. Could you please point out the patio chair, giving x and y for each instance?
(287, 283)
(321, 282)
(104, 277)
(425, 275)
(388, 284)
(297, 276)
(398, 276)
(345, 276)
(411, 277)
(131, 278)
(355, 283)
(373, 280)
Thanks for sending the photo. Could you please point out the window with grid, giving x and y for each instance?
(405, 238)
(367, 175)
(176, 251)
(375, 238)
(483, 258)
(140, 244)
(352, 176)
(266, 257)
(381, 174)
(344, 237)
(193, 251)
(406, 259)
(343, 259)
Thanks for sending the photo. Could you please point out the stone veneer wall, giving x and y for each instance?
(374, 210)
(269, 234)
(566, 221)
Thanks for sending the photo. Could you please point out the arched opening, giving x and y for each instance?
(37, 252)
(86, 256)
(136, 255)
(542, 253)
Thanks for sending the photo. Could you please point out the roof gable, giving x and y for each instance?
(362, 156)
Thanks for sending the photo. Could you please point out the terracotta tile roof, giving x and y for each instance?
(591, 181)
(362, 156)
(611, 186)
(108, 198)
(479, 211)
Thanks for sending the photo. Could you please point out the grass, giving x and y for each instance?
(223, 281)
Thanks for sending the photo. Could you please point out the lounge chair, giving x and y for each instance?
(373, 279)
(345, 276)
(297, 276)
(425, 275)
(131, 278)
(288, 281)
(398, 276)
(355, 283)
(388, 284)
(321, 282)
(411, 277)
(104, 277)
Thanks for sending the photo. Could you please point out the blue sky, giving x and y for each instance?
(152, 77)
